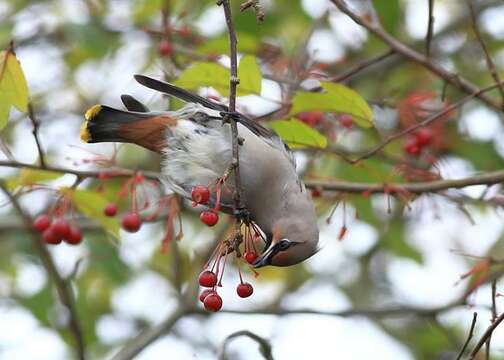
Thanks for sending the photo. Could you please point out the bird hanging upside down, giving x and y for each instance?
(195, 144)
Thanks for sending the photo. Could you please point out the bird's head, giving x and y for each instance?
(293, 240)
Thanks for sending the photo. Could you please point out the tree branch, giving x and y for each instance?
(36, 124)
(488, 58)
(430, 29)
(63, 288)
(438, 115)
(362, 66)
(489, 178)
(264, 345)
(469, 336)
(486, 335)
(400, 48)
(233, 82)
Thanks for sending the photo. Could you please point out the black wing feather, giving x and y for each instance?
(187, 96)
(133, 104)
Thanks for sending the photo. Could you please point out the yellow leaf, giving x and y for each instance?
(13, 87)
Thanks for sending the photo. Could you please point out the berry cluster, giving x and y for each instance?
(416, 142)
(200, 195)
(54, 231)
(211, 277)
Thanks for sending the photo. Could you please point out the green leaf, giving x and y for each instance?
(389, 12)
(249, 74)
(248, 44)
(217, 76)
(13, 87)
(91, 204)
(29, 177)
(204, 74)
(336, 98)
(297, 134)
(143, 10)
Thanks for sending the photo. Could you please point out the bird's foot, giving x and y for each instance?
(242, 214)
(226, 115)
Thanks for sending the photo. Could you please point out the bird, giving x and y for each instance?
(195, 143)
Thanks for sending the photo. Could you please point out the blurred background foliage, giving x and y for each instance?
(76, 53)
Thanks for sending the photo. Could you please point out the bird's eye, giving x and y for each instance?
(283, 244)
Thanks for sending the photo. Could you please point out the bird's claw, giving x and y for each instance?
(226, 115)
(242, 214)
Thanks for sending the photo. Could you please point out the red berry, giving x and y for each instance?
(208, 279)
(200, 194)
(131, 222)
(61, 228)
(74, 235)
(185, 31)
(165, 48)
(213, 302)
(311, 118)
(50, 237)
(250, 256)
(315, 193)
(209, 218)
(411, 146)
(244, 290)
(346, 121)
(205, 293)
(423, 137)
(110, 210)
(42, 223)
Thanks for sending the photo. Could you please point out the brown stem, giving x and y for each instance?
(430, 29)
(400, 48)
(488, 58)
(233, 82)
(36, 125)
(63, 288)
(469, 336)
(488, 333)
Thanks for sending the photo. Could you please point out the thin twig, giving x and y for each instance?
(486, 335)
(106, 173)
(469, 336)
(362, 66)
(430, 29)
(438, 115)
(264, 345)
(489, 61)
(63, 288)
(411, 54)
(494, 316)
(36, 125)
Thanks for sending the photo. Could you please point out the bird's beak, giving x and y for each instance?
(265, 258)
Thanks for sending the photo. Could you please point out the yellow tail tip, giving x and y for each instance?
(84, 133)
(92, 111)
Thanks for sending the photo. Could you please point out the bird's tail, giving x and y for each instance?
(106, 124)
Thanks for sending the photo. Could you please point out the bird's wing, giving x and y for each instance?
(133, 104)
(189, 97)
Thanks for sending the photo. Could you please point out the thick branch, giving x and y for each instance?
(455, 80)
(490, 178)
(64, 290)
(233, 82)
